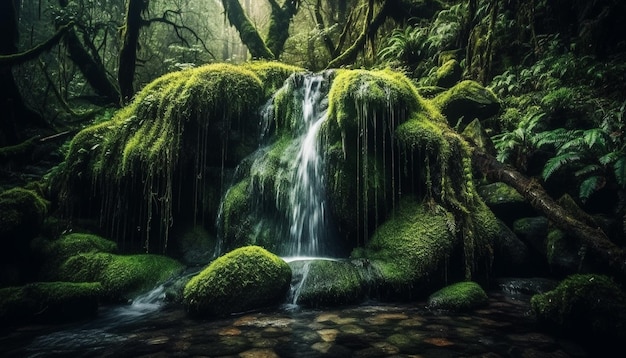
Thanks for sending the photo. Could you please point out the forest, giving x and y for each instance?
(418, 143)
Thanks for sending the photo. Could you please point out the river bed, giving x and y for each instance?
(504, 328)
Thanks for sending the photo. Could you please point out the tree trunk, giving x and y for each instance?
(128, 52)
(280, 20)
(369, 29)
(13, 111)
(594, 238)
(247, 32)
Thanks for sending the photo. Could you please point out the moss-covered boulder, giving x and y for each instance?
(175, 143)
(466, 101)
(22, 213)
(327, 283)
(49, 302)
(461, 296)
(448, 74)
(56, 252)
(505, 202)
(586, 306)
(244, 279)
(410, 249)
(122, 276)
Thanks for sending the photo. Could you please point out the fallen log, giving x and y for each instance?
(593, 237)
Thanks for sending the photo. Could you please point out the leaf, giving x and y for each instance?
(620, 171)
(590, 186)
(589, 169)
(594, 137)
(556, 163)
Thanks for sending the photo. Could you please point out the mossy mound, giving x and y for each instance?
(328, 283)
(181, 131)
(57, 251)
(244, 279)
(449, 74)
(587, 306)
(410, 248)
(49, 302)
(22, 212)
(122, 276)
(461, 296)
(466, 101)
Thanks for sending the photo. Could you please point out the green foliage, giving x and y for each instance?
(597, 155)
(515, 146)
(247, 278)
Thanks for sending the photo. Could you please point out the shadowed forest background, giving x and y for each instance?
(494, 127)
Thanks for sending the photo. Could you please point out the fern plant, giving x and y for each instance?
(514, 147)
(597, 156)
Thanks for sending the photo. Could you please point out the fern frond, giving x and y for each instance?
(590, 186)
(609, 158)
(556, 163)
(556, 137)
(620, 171)
(588, 169)
(594, 137)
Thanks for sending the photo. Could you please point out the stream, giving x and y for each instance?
(149, 328)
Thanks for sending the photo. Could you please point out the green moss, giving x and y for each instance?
(246, 278)
(460, 296)
(356, 93)
(411, 245)
(234, 213)
(22, 213)
(121, 276)
(272, 74)
(175, 132)
(449, 73)
(49, 302)
(584, 305)
(467, 100)
(329, 283)
(57, 251)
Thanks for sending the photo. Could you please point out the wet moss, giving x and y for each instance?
(57, 251)
(246, 278)
(331, 283)
(177, 131)
(272, 74)
(588, 306)
(49, 302)
(461, 296)
(122, 276)
(235, 210)
(409, 247)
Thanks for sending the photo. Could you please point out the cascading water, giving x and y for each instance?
(307, 225)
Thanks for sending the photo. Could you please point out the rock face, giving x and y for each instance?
(244, 279)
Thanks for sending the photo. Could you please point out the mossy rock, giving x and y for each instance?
(467, 100)
(505, 202)
(183, 130)
(449, 74)
(22, 213)
(461, 296)
(328, 283)
(410, 248)
(123, 277)
(49, 302)
(55, 252)
(587, 306)
(244, 279)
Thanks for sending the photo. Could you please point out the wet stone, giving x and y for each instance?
(229, 331)
(328, 335)
(273, 332)
(352, 329)
(258, 353)
(158, 340)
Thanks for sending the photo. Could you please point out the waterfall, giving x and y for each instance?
(306, 197)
